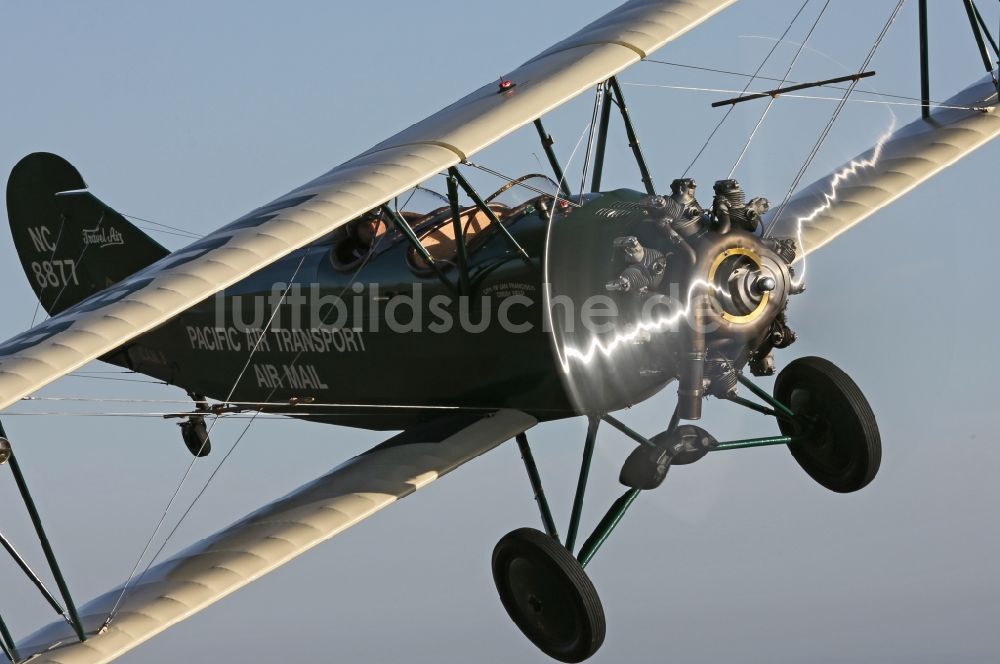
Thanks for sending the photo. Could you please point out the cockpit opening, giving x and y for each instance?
(429, 213)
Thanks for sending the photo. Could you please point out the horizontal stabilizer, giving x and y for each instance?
(272, 536)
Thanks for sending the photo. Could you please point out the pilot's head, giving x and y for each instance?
(365, 230)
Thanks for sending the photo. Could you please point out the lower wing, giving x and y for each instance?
(213, 568)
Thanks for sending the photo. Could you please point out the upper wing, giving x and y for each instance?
(97, 325)
(900, 162)
(272, 536)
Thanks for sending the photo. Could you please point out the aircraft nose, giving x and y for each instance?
(765, 283)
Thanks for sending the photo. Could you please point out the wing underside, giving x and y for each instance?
(272, 536)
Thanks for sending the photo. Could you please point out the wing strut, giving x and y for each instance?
(980, 31)
(547, 142)
(7, 642)
(404, 227)
(633, 141)
(70, 613)
(460, 246)
(602, 138)
(610, 92)
(925, 72)
(973, 14)
(481, 204)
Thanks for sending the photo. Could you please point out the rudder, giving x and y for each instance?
(71, 245)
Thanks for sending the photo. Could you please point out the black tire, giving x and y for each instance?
(842, 450)
(548, 595)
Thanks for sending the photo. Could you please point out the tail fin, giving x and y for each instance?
(71, 245)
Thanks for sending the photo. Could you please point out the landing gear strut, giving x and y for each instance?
(824, 420)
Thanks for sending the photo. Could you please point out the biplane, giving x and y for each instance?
(567, 303)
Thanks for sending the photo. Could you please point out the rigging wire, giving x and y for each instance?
(161, 225)
(121, 380)
(729, 111)
(204, 488)
(881, 102)
(514, 181)
(232, 449)
(187, 473)
(186, 236)
(158, 415)
(294, 362)
(833, 119)
(770, 102)
(773, 78)
(247, 404)
(79, 259)
(358, 409)
(598, 98)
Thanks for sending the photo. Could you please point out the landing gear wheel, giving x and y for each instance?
(548, 595)
(842, 449)
(195, 435)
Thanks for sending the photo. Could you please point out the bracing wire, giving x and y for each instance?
(167, 227)
(598, 99)
(232, 449)
(836, 114)
(770, 102)
(729, 111)
(880, 102)
(774, 78)
(125, 588)
(515, 182)
(247, 405)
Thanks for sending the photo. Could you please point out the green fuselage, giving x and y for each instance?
(392, 360)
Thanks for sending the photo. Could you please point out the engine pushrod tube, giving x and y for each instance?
(50, 556)
(494, 219)
(777, 92)
(778, 406)
(547, 143)
(631, 433)
(581, 484)
(536, 486)
(606, 526)
(755, 442)
(30, 573)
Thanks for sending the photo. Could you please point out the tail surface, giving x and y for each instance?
(71, 245)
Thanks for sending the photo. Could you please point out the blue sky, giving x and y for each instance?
(190, 114)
